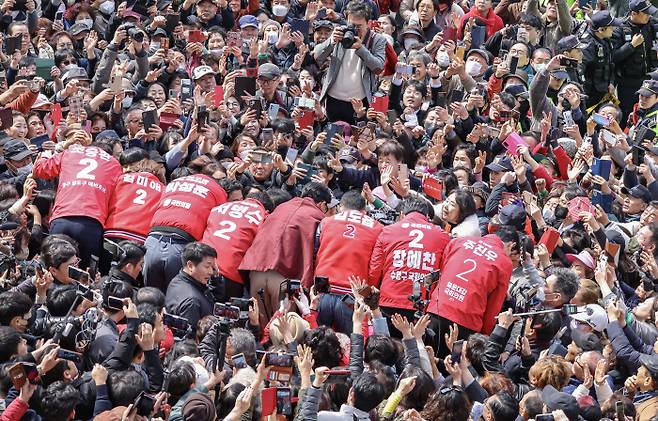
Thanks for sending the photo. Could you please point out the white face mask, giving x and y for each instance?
(279, 10)
(88, 22)
(473, 68)
(409, 43)
(443, 59)
(272, 37)
(540, 66)
(107, 8)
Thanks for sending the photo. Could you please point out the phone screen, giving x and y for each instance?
(239, 361)
(283, 401)
(457, 351)
(321, 284)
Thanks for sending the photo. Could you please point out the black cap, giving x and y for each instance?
(639, 192)
(602, 18)
(568, 43)
(641, 6)
(107, 135)
(649, 87)
(502, 164)
(512, 215)
(555, 400)
(650, 362)
(16, 150)
(322, 23)
(78, 28)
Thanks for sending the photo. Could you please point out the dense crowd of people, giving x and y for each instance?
(326, 210)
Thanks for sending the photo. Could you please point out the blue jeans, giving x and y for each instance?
(334, 313)
(163, 260)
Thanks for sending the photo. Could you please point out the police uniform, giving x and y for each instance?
(645, 121)
(633, 63)
(597, 65)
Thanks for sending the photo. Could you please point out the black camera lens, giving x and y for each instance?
(349, 36)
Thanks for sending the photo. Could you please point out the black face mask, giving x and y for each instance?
(561, 212)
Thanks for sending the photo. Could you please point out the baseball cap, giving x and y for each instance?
(248, 20)
(517, 91)
(649, 87)
(41, 102)
(479, 188)
(650, 361)
(269, 71)
(16, 150)
(107, 135)
(322, 23)
(512, 215)
(583, 257)
(568, 43)
(603, 18)
(349, 155)
(75, 72)
(502, 164)
(639, 192)
(159, 33)
(587, 341)
(519, 74)
(484, 54)
(201, 71)
(594, 315)
(78, 28)
(554, 400)
(642, 6)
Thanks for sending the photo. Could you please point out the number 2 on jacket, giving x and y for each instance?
(463, 274)
(416, 242)
(230, 227)
(86, 172)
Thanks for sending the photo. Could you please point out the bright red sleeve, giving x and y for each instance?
(563, 161)
(377, 262)
(542, 172)
(494, 86)
(312, 319)
(15, 411)
(48, 168)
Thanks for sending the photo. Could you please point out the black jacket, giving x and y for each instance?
(188, 298)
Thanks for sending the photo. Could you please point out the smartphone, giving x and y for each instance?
(457, 96)
(403, 172)
(310, 172)
(164, 43)
(196, 35)
(292, 155)
(114, 303)
(513, 63)
(348, 300)
(570, 309)
(150, 119)
(600, 120)
(608, 137)
(175, 322)
(332, 130)
(239, 361)
(392, 116)
(59, 16)
(638, 155)
(544, 417)
(39, 141)
(117, 84)
(85, 292)
(337, 376)
(619, 410)
(278, 360)
(203, 117)
(233, 39)
(144, 404)
(78, 274)
(567, 61)
(457, 351)
(283, 401)
(459, 52)
(262, 157)
(293, 287)
(267, 134)
(568, 118)
(185, 89)
(273, 111)
(268, 401)
(257, 105)
(17, 375)
(65, 354)
(321, 284)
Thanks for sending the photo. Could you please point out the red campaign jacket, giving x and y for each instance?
(285, 241)
(475, 274)
(87, 176)
(186, 204)
(231, 230)
(346, 243)
(405, 251)
(134, 201)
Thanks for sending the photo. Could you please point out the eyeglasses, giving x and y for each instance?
(69, 62)
(136, 121)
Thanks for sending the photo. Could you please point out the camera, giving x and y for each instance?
(386, 217)
(349, 36)
(133, 32)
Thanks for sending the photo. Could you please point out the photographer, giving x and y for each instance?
(356, 56)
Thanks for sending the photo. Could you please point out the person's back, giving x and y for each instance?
(405, 253)
(134, 201)
(346, 242)
(475, 273)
